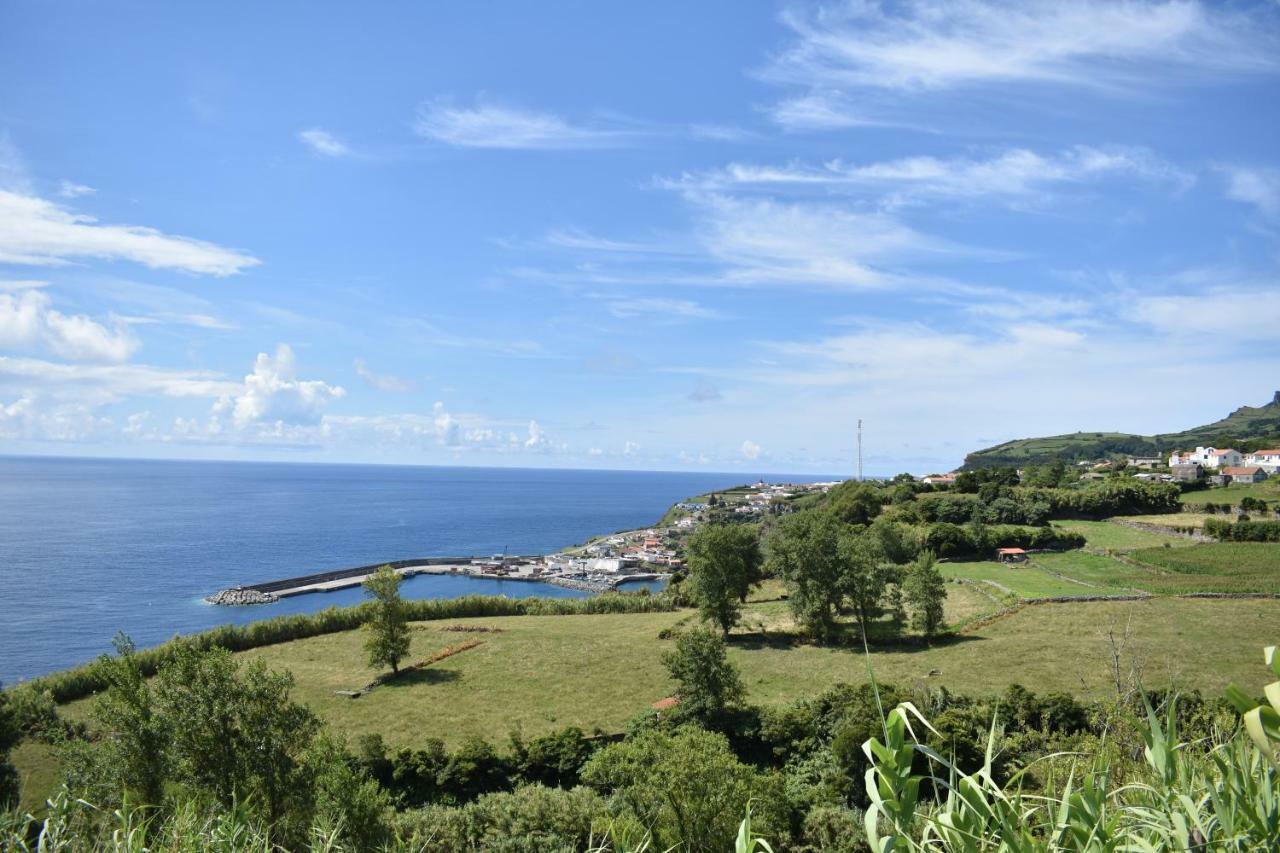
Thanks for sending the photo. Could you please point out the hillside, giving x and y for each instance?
(1243, 425)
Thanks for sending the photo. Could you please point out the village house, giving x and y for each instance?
(1145, 461)
(939, 480)
(1267, 460)
(1209, 457)
(1250, 474)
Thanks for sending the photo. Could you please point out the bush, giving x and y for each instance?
(530, 819)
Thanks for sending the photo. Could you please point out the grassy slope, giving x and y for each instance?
(1110, 536)
(1024, 580)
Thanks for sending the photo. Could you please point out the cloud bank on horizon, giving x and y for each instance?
(653, 237)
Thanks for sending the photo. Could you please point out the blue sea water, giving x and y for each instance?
(89, 547)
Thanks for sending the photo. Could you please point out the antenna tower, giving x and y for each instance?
(859, 449)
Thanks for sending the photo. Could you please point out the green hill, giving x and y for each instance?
(1246, 428)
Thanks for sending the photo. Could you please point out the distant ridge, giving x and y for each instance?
(1244, 424)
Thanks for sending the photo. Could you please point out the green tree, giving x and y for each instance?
(708, 683)
(865, 574)
(854, 503)
(687, 787)
(387, 630)
(926, 592)
(724, 562)
(804, 550)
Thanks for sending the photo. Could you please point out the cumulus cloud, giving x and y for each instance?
(537, 438)
(272, 394)
(28, 322)
(323, 142)
(750, 450)
(32, 417)
(494, 126)
(39, 232)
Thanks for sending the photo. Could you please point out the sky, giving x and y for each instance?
(707, 236)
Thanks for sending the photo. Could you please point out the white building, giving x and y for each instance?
(1209, 457)
(1267, 460)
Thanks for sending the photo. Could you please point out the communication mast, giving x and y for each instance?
(859, 449)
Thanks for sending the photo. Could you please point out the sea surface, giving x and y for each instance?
(89, 547)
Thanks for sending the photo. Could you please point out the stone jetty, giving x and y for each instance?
(240, 595)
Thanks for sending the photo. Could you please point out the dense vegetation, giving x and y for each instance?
(1247, 428)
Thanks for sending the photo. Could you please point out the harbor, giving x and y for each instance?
(536, 569)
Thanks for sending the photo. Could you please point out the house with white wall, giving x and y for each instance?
(1267, 460)
(1209, 457)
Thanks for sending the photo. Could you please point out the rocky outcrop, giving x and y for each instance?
(240, 596)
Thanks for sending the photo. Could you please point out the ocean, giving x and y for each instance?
(89, 547)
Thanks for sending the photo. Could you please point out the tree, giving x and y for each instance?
(724, 562)
(926, 591)
(854, 503)
(804, 551)
(708, 683)
(865, 574)
(387, 630)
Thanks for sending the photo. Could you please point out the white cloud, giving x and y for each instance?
(1257, 186)
(537, 438)
(630, 448)
(70, 189)
(494, 126)
(272, 394)
(29, 323)
(1187, 315)
(921, 45)
(1016, 172)
(38, 232)
(383, 381)
(13, 168)
(765, 241)
(98, 384)
(750, 450)
(34, 418)
(670, 309)
(323, 142)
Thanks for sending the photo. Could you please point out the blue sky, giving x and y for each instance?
(660, 235)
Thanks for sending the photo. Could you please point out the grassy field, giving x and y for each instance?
(1021, 580)
(1267, 490)
(1113, 536)
(1220, 566)
(1174, 519)
(539, 673)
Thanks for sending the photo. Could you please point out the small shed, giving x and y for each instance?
(1011, 555)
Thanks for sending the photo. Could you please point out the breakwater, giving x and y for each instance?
(267, 592)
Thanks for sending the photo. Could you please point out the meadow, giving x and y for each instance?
(1114, 536)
